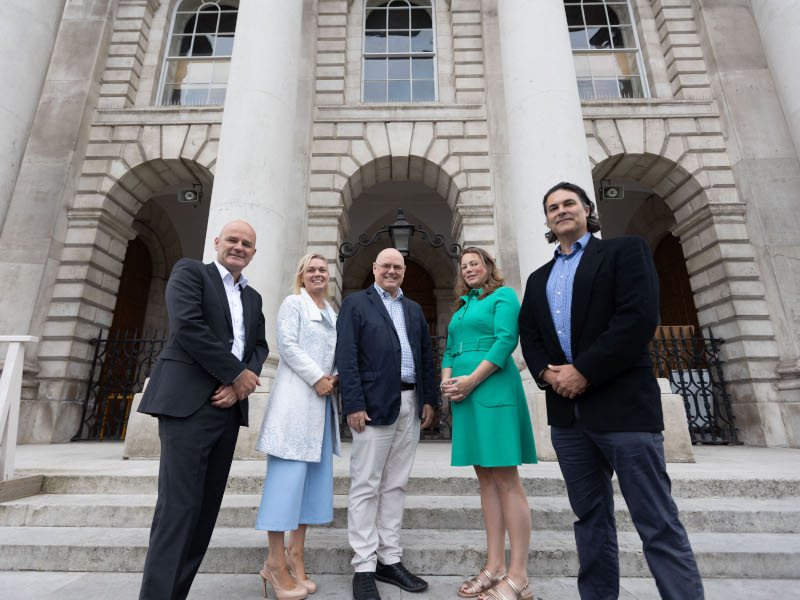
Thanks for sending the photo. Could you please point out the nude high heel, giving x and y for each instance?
(307, 583)
(296, 593)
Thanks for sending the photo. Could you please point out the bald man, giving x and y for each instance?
(198, 391)
(388, 387)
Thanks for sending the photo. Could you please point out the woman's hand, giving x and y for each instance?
(325, 385)
(456, 389)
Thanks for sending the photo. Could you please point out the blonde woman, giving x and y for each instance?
(300, 431)
(491, 424)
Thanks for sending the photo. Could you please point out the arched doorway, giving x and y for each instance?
(677, 302)
(134, 288)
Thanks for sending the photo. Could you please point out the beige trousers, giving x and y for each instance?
(380, 464)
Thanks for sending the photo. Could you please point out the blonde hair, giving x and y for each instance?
(302, 265)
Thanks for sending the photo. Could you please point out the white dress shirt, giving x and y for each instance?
(233, 291)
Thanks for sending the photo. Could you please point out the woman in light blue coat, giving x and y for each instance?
(300, 431)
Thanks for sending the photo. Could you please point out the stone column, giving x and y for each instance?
(546, 139)
(28, 31)
(778, 26)
(256, 176)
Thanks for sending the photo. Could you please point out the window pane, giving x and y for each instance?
(399, 68)
(585, 89)
(623, 37)
(186, 95)
(374, 41)
(399, 19)
(599, 37)
(595, 15)
(422, 68)
(220, 72)
(217, 95)
(631, 88)
(421, 18)
(582, 65)
(627, 64)
(574, 16)
(374, 69)
(227, 22)
(399, 91)
(376, 18)
(399, 42)
(619, 14)
(606, 89)
(184, 23)
(603, 64)
(185, 71)
(422, 41)
(180, 45)
(207, 22)
(203, 45)
(375, 91)
(578, 39)
(424, 90)
(224, 45)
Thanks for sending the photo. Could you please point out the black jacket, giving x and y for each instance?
(368, 357)
(197, 357)
(614, 315)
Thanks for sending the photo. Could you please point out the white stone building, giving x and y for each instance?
(319, 118)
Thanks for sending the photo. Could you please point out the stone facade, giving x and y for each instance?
(101, 149)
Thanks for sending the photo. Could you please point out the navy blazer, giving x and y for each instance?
(615, 311)
(368, 357)
(197, 357)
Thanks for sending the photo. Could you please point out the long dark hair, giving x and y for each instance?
(494, 278)
(592, 221)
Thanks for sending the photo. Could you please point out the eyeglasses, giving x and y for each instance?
(398, 268)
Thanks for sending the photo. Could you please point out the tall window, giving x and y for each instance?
(199, 54)
(399, 51)
(605, 49)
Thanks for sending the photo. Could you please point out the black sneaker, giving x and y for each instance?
(398, 575)
(364, 587)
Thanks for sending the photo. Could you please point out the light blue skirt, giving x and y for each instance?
(298, 492)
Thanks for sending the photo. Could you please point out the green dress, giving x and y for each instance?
(492, 425)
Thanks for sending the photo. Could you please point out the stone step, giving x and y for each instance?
(51, 585)
(722, 515)
(427, 551)
(433, 485)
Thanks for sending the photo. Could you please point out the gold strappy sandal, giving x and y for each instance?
(482, 582)
(526, 593)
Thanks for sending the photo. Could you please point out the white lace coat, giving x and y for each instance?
(294, 419)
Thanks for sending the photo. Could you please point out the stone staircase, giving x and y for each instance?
(740, 527)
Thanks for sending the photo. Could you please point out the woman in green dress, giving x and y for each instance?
(491, 424)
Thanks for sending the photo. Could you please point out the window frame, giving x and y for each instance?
(431, 4)
(211, 59)
(614, 52)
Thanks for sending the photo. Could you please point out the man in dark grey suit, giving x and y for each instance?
(198, 390)
(585, 324)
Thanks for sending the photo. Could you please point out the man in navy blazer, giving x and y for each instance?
(585, 323)
(198, 390)
(387, 382)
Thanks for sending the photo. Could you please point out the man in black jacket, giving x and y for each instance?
(198, 390)
(388, 386)
(585, 323)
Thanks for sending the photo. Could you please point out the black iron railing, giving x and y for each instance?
(121, 363)
(693, 367)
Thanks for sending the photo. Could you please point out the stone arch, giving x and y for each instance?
(709, 220)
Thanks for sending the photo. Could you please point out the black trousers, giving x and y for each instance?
(196, 455)
(588, 459)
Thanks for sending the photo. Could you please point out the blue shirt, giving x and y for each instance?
(559, 292)
(394, 306)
